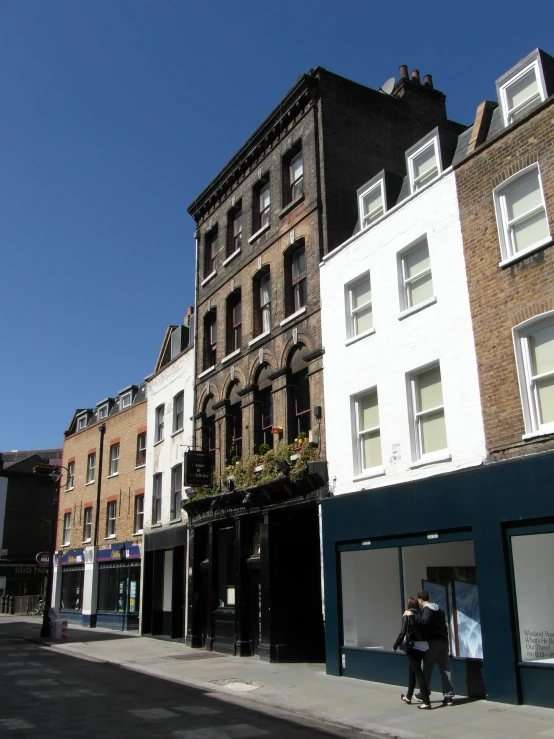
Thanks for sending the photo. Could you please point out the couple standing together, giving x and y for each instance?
(424, 624)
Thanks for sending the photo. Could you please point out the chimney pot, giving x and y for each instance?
(190, 310)
(403, 71)
(428, 81)
(415, 75)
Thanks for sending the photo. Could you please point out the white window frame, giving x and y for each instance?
(351, 312)
(114, 460)
(176, 477)
(416, 415)
(265, 308)
(91, 469)
(87, 524)
(371, 218)
(111, 516)
(527, 389)
(126, 400)
(413, 184)
(157, 483)
(506, 112)
(507, 249)
(81, 423)
(405, 281)
(66, 529)
(178, 399)
(70, 476)
(298, 183)
(361, 433)
(139, 511)
(141, 459)
(103, 411)
(159, 423)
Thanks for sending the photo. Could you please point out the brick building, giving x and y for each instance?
(97, 568)
(263, 225)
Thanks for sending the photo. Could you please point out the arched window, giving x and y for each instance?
(299, 407)
(234, 322)
(263, 410)
(234, 424)
(208, 428)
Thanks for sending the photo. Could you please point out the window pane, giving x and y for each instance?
(372, 204)
(363, 321)
(425, 164)
(371, 450)
(298, 263)
(296, 168)
(264, 197)
(524, 89)
(541, 345)
(530, 231)
(545, 392)
(369, 411)
(300, 295)
(361, 293)
(237, 224)
(419, 290)
(237, 314)
(429, 389)
(523, 197)
(532, 559)
(433, 432)
(417, 261)
(265, 289)
(368, 621)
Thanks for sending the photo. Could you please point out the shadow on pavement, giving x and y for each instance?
(31, 631)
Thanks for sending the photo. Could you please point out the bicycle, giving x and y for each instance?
(38, 608)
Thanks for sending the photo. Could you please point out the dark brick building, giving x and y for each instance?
(263, 224)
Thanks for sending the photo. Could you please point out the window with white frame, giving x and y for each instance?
(264, 205)
(521, 213)
(299, 287)
(66, 529)
(87, 524)
(428, 412)
(159, 430)
(176, 487)
(265, 302)
(103, 411)
(237, 231)
(70, 476)
(81, 423)
(296, 177)
(360, 311)
(372, 204)
(141, 449)
(126, 400)
(110, 518)
(534, 343)
(139, 514)
(424, 165)
(368, 431)
(157, 498)
(114, 459)
(91, 466)
(178, 411)
(523, 92)
(416, 279)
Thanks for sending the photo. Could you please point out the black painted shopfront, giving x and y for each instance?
(254, 585)
(482, 542)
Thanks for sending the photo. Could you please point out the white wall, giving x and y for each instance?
(440, 332)
(161, 457)
(416, 559)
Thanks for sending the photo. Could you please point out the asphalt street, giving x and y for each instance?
(44, 694)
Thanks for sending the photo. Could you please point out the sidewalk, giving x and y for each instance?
(301, 689)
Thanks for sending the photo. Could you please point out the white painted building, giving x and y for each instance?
(169, 436)
(402, 397)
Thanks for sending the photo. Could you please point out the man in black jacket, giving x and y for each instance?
(433, 621)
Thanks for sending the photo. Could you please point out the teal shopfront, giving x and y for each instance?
(482, 543)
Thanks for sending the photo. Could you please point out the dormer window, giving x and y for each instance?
(521, 93)
(103, 411)
(81, 423)
(424, 165)
(372, 204)
(126, 400)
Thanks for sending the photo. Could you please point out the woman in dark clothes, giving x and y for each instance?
(415, 655)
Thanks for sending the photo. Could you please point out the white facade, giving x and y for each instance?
(402, 341)
(162, 456)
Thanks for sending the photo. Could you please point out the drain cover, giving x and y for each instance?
(240, 686)
(195, 655)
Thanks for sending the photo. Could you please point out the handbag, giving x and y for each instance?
(407, 641)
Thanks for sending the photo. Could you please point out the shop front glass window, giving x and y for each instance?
(532, 557)
(72, 588)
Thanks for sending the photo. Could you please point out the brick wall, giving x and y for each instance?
(503, 298)
(125, 427)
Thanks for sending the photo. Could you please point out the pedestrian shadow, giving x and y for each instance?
(31, 632)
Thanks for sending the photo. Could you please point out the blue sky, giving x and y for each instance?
(115, 114)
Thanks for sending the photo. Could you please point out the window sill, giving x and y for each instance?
(160, 441)
(174, 520)
(525, 253)
(115, 474)
(208, 278)
(259, 232)
(138, 533)
(65, 546)
(140, 466)
(291, 206)
(86, 541)
(293, 317)
(260, 337)
(111, 536)
(230, 356)
(67, 490)
(156, 525)
(354, 339)
(370, 473)
(89, 483)
(177, 432)
(230, 258)
(207, 372)
(443, 456)
(416, 308)
(548, 431)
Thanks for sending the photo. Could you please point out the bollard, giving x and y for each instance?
(11, 604)
(2, 603)
(64, 629)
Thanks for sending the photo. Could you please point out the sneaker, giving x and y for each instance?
(448, 700)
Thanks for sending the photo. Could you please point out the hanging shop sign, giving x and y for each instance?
(198, 468)
(43, 558)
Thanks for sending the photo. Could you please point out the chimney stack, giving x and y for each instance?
(188, 317)
(403, 71)
(415, 76)
(428, 81)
